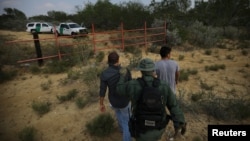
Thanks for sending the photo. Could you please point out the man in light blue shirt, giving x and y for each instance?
(167, 69)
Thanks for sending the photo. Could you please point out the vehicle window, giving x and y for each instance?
(30, 25)
(45, 25)
(63, 26)
(66, 26)
(38, 25)
(74, 25)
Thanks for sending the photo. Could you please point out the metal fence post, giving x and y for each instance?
(38, 48)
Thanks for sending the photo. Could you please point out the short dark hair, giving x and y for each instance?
(113, 57)
(165, 50)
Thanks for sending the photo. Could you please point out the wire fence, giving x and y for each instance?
(117, 39)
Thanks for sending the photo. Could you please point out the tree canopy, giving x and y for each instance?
(106, 15)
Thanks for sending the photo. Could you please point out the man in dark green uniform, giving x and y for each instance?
(133, 89)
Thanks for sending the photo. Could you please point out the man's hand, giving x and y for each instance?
(181, 129)
(102, 108)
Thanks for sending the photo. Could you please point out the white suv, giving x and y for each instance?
(39, 27)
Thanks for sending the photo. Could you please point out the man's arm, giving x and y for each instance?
(103, 88)
(176, 112)
(102, 106)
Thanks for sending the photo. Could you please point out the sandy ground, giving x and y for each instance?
(66, 122)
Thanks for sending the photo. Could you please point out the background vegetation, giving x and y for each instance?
(230, 15)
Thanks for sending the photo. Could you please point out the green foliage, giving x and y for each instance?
(91, 79)
(192, 71)
(215, 67)
(197, 138)
(46, 85)
(83, 53)
(134, 61)
(181, 57)
(70, 95)
(81, 102)
(27, 134)
(184, 75)
(173, 37)
(73, 75)
(10, 53)
(230, 57)
(7, 75)
(231, 32)
(244, 52)
(56, 67)
(91, 75)
(203, 36)
(13, 19)
(208, 52)
(241, 109)
(41, 108)
(101, 126)
(196, 97)
(205, 86)
(227, 109)
(100, 56)
(35, 69)
(133, 50)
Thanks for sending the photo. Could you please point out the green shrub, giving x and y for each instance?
(197, 138)
(70, 95)
(181, 57)
(227, 109)
(192, 71)
(7, 75)
(208, 52)
(134, 50)
(46, 86)
(215, 67)
(244, 52)
(73, 75)
(91, 79)
(197, 96)
(183, 75)
(80, 102)
(205, 86)
(100, 56)
(35, 69)
(134, 61)
(102, 125)
(203, 36)
(41, 108)
(27, 134)
(56, 67)
(244, 111)
(230, 57)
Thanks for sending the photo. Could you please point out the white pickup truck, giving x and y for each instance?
(70, 28)
(39, 27)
